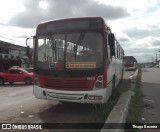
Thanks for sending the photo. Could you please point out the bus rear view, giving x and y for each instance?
(69, 62)
(130, 63)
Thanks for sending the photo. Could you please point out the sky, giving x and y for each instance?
(135, 23)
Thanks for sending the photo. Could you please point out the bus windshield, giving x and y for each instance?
(71, 51)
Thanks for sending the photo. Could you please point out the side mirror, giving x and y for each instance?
(111, 39)
(111, 42)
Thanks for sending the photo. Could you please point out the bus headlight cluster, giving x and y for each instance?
(36, 80)
(99, 83)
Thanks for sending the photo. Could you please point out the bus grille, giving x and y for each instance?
(66, 84)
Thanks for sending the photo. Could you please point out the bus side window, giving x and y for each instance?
(118, 51)
(108, 54)
(111, 42)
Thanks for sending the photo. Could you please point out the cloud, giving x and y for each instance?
(136, 33)
(143, 49)
(32, 14)
(20, 36)
(125, 41)
(149, 42)
(136, 24)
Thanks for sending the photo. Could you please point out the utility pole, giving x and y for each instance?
(156, 57)
(152, 61)
(159, 54)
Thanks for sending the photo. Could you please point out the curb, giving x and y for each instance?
(120, 110)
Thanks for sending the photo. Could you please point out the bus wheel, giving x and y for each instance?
(1, 81)
(113, 84)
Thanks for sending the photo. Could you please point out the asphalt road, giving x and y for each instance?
(18, 105)
(151, 90)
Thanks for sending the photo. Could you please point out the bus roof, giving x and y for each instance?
(71, 24)
(130, 57)
(70, 18)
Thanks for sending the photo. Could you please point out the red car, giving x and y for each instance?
(16, 74)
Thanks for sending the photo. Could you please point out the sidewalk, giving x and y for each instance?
(120, 110)
(151, 90)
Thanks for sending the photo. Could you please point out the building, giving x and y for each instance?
(13, 55)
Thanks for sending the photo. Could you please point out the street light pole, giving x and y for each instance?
(159, 54)
(156, 57)
(27, 40)
(28, 51)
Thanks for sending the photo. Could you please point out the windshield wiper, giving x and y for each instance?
(79, 42)
(53, 44)
(80, 39)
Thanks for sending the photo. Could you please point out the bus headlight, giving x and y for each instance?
(36, 80)
(98, 85)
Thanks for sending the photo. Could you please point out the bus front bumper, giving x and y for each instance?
(96, 96)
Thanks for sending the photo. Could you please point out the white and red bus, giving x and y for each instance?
(76, 60)
(130, 63)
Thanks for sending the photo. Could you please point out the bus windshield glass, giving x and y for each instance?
(70, 51)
